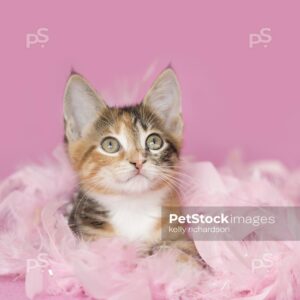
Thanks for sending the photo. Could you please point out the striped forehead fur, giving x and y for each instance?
(132, 117)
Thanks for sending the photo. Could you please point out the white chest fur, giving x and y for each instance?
(134, 217)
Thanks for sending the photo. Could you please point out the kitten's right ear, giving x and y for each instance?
(82, 106)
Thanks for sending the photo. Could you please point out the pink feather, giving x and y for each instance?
(37, 244)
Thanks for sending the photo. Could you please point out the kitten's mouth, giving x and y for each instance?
(137, 175)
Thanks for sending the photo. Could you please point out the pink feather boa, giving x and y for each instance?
(36, 242)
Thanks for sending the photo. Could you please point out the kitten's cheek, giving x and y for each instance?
(108, 175)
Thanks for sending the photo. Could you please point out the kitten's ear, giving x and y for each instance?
(82, 105)
(164, 98)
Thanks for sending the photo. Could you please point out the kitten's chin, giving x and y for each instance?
(135, 184)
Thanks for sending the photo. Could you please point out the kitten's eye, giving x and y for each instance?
(110, 145)
(154, 141)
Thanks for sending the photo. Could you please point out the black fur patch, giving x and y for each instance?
(87, 212)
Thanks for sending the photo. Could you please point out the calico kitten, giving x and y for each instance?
(126, 159)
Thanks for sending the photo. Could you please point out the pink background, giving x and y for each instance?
(234, 96)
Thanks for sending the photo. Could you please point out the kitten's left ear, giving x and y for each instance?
(164, 98)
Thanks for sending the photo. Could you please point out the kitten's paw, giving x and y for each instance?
(187, 253)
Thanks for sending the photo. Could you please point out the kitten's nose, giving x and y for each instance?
(138, 164)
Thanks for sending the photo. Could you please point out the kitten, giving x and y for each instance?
(126, 159)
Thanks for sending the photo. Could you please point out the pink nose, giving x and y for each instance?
(138, 164)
